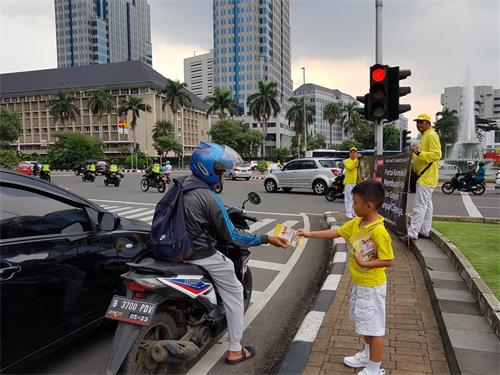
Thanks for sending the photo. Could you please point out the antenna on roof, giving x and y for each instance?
(194, 52)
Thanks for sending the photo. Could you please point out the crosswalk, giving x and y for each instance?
(141, 213)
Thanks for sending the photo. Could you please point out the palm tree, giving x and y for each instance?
(263, 105)
(331, 113)
(136, 106)
(220, 102)
(63, 108)
(100, 102)
(176, 96)
(350, 118)
(296, 115)
(162, 128)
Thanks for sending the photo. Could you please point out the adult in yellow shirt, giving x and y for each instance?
(350, 179)
(427, 152)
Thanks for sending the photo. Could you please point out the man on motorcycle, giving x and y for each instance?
(207, 220)
(468, 178)
(154, 173)
(480, 173)
(113, 168)
(45, 169)
(35, 170)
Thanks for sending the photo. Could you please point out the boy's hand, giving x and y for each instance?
(359, 258)
(303, 233)
(278, 242)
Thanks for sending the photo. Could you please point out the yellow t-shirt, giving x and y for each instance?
(430, 152)
(351, 171)
(374, 240)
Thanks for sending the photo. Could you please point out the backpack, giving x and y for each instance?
(169, 238)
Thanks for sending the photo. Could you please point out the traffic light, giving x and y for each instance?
(366, 109)
(405, 139)
(379, 90)
(137, 147)
(394, 108)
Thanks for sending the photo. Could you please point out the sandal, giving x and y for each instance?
(244, 357)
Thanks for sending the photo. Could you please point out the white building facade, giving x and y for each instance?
(199, 74)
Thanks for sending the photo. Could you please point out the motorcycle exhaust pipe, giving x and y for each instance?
(184, 350)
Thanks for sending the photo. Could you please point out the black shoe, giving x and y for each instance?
(406, 238)
(420, 235)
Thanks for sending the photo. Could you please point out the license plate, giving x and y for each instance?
(131, 310)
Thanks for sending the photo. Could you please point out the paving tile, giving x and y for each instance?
(476, 362)
(459, 307)
(476, 323)
(479, 341)
(453, 276)
(449, 284)
(454, 295)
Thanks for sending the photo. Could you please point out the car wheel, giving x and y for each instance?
(218, 188)
(287, 190)
(319, 187)
(247, 178)
(270, 186)
(231, 177)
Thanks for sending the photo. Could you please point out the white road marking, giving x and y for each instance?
(148, 212)
(109, 207)
(122, 202)
(217, 351)
(470, 206)
(260, 224)
(331, 282)
(289, 223)
(265, 265)
(127, 213)
(121, 209)
(310, 326)
(339, 257)
(274, 213)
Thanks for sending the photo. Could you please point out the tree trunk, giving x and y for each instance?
(331, 126)
(264, 133)
(299, 138)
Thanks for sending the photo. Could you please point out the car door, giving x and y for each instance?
(42, 277)
(287, 177)
(307, 172)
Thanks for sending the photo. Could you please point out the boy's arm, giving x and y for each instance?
(384, 256)
(326, 234)
(372, 263)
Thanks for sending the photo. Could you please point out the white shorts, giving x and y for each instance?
(367, 309)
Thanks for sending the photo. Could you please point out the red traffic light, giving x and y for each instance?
(378, 75)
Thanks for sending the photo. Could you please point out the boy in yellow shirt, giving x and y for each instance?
(371, 253)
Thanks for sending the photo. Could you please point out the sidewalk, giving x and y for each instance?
(413, 343)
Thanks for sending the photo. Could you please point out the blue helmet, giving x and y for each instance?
(210, 160)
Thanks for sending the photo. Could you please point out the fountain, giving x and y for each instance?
(467, 146)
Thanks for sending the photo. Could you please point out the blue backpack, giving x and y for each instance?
(169, 238)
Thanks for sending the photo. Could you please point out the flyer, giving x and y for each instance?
(288, 234)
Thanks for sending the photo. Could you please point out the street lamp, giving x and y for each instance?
(305, 115)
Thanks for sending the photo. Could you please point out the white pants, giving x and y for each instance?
(367, 309)
(230, 290)
(349, 204)
(421, 220)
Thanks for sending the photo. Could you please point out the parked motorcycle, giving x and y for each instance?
(336, 190)
(458, 183)
(159, 183)
(44, 175)
(172, 311)
(112, 178)
(88, 176)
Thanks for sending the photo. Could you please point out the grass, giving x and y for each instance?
(480, 243)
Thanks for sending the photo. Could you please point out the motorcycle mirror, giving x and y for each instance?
(341, 165)
(254, 198)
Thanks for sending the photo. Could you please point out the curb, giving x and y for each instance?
(466, 218)
(257, 177)
(298, 353)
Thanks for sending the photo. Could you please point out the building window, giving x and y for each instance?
(497, 136)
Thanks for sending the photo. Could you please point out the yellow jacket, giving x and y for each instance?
(430, 151)
(351, 171)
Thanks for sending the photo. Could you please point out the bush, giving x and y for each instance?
(8, 159)
(262, 165)
(142, 161)
(73, 148)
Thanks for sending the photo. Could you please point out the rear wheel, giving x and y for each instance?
(331, 195)
(448, 188)
(138, 360)
(478, 189)
(144, 184)
(117, 182)
(319, 187)
(161, 186)
(270, 186)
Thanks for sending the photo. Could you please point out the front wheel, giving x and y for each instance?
(270, 186)
(161, 186)
(138, 360)
(478, 189)
(106, 183)
(247, 285)
(331, 195)
(144, 184)
(448, 188)
(319, 187)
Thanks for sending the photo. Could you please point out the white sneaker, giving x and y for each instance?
(365, 371)
(359, 359)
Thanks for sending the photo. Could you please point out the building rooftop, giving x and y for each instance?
(115, 75)
(313, 87)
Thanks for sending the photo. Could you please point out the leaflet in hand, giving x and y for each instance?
(288, 234)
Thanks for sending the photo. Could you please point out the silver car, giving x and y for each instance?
(240, 171)
(310, 173)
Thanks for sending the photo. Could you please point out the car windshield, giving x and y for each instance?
(329, 163)
(243, 165)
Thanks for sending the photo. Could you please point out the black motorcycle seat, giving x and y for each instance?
(165, 266)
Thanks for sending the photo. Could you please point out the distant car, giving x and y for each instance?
(61, 257)
(101, 167)
(310, 173)
(24, 167)
(240, 171)
(497, 180)
(253, 164)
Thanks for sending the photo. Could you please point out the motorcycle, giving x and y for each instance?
(44, 175)
(172, 311)
(88, 176)
(112, 178)
(159, 183)
(336, 190)
(459, 184)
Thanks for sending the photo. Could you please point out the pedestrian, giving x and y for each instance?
(425, 160)
(351, 176)
(371, 253)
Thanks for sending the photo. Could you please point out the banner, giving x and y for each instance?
(393, 172)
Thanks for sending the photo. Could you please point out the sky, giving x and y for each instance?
(333, 39)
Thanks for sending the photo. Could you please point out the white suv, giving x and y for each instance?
(310, 173)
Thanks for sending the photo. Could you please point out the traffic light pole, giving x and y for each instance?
(379, 130)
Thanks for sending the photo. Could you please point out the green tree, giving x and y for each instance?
(164, 137)
(331, 113)
(134, 105)
(263, 105)
(73, 148)
(484, 125)
(63, 108)
(8, 159)
(100, 102)
(295, 114)
(282, 154)
(348, 143)
(221, 102)
(351, 119)
(447, 126)
(237, 135)
(10, 127)
(365, 136)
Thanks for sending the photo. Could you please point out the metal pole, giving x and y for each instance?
(305, 115)
(379, 129)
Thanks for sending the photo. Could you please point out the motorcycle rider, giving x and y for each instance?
(207, 220)
(91, 168)
(154, 173)
(468, 178)
(480, 172)
(36, 170)
(45, 169)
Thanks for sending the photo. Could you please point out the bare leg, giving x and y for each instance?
(376, 348)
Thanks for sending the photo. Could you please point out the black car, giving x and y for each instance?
(100, 166)
(61, 257)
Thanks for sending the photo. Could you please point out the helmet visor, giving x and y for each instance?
(227, 160)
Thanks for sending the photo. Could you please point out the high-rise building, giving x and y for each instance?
(102, 31)
(252, 44)
(199, 74)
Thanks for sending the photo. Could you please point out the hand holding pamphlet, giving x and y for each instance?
(288, 234)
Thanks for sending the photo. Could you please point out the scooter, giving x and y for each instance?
(112, 178)
(88, 176)
(172, 311)
(336, 190)
(457, 183)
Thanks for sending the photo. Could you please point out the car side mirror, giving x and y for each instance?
(108, 221)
